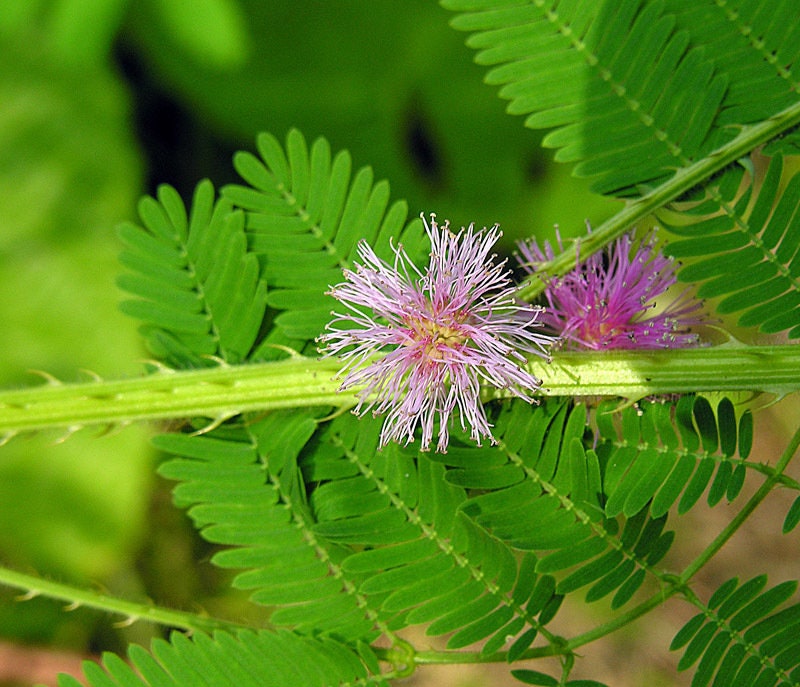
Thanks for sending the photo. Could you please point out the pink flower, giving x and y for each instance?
(606, 301)
(441, 334)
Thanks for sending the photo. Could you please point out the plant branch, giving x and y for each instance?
(684, 179)
(755, 500)
(672, 585)
(131, 611)
(217, 393)
(222, 392)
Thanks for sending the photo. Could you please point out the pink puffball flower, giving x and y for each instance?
(442, 333)
(609, 300)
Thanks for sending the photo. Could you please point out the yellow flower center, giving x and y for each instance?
(435, 336)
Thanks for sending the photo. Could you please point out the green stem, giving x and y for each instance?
(216, 393)
(221, 392)
(755, 500)
(684, 179)
(558, 649)
(130, 611)
(471, 657)
(672, 585)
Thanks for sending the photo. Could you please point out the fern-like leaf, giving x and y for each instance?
(260, 659)
(541, 491)
(754, 44)
(244, 491)
(634, 89)
(304, 219)
(739, 639)
(746, 255)
(199, 292)
(201, 281)
(630, 97)
(379, 544)
(658, 453)
(421, 560)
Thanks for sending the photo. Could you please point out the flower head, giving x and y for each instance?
(444, 332)
(606, 301)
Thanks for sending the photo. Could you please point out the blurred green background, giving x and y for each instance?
(102, 100)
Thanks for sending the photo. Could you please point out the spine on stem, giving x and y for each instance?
(222, 392)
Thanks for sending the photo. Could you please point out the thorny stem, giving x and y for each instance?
(129, 611)
(221, 392)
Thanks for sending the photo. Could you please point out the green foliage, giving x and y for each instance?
(549, 492)
(200, 291)
(210, 285)
(737, 638)
(304, 211)
(345, 546)
(261, 508)
(260, 659)
(534, 677)
(647, 461)
(635, 89)
(320, 520)
(746, 255)
(381, 538)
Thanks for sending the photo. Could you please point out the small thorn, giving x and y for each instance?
(28, 596)
(161, 367)
(7, 437)
(286, 349)
(216, 422)
(74, 606)
(215, 358)
(91, 374)
(50, 379)
(112, 429)
(70, 431)
(333, 415)
(130, 620)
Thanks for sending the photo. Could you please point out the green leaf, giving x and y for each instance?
(746, 434)
(591, 572)
(248, 658)
(749, 254)
(792, 516)
(645, 465)
(534, 677)
(688, 631)
(197, 285)
(601, 74)
(626, 590)
(697, 646)
(243, 491)
(570, 556)
(737, 636)
(305, 216)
